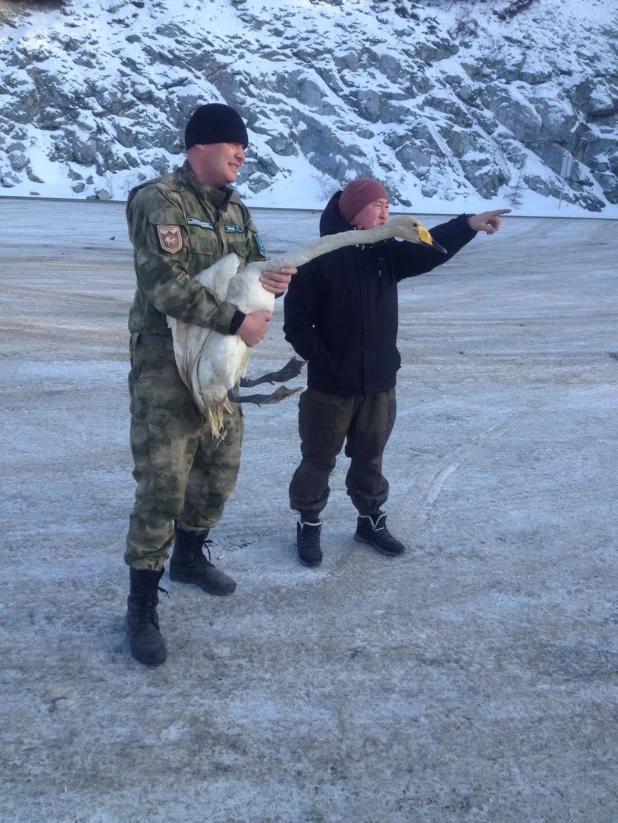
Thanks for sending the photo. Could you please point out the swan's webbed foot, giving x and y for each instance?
(262, 399)
(291, 370)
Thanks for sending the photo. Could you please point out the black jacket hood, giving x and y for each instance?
(331, 222)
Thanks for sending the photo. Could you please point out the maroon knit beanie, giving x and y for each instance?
(358, 194)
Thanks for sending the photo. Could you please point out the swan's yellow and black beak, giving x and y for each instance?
(427, 240)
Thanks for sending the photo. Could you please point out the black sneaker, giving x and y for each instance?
(308, 542)
(373, 531)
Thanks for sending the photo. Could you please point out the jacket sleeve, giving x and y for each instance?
(164, 275)
(299, 308)
(411, 259)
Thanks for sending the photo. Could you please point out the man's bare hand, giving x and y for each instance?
(254, 327)
(488, 221)
(276, 282)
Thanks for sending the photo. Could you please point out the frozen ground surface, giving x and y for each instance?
(475, 679)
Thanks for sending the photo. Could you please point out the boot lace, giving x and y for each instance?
(201, 558)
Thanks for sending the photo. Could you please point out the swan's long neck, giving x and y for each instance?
(323, 245)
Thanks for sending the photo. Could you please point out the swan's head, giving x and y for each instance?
(410, 228)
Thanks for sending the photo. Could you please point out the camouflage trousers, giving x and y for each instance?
(182, 473)
(325, 421)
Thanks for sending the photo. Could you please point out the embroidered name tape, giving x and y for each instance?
(203, 224)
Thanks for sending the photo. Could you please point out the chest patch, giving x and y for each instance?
(234, 228)
(170, 238)
(203, 224)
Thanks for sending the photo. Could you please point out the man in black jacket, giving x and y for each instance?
(341, 314)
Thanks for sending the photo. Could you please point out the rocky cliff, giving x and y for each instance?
(445, 101)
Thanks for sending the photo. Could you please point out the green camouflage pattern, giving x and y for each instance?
(212, 223)
(182, 473)
(325, 422)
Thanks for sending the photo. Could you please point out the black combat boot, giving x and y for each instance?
(188, 564)
(142, 620)
(308, 541)
(372, 530)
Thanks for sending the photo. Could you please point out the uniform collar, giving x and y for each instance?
(219, 198)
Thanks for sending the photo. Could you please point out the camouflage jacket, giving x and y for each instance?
(179, 226)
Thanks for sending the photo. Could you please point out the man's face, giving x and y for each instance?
(219, 163)
(374, 214)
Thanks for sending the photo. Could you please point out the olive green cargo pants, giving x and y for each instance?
(182, 473)
(324, 423)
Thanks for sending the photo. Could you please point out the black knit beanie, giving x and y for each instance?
(215, 123)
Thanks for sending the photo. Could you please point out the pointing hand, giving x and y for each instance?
(488, 221)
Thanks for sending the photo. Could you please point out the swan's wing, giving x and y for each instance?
(189, 340)
(218, 368)
(246, 291)
(188, 343)
(216, 278)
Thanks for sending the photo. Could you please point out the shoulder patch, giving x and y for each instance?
(170, 238)
(234, 228)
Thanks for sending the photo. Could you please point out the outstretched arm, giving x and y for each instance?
(410, 259)
(488, 221)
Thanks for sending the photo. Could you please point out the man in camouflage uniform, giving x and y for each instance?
(179, 225)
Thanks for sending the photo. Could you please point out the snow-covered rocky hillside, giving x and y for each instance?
(452, 104)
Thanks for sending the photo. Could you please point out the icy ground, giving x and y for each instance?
(475, 679)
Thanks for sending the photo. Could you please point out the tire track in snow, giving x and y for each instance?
(422, 497)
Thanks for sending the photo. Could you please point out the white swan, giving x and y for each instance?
(211, 364)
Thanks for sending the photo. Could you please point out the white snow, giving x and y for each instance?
(551, 34)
